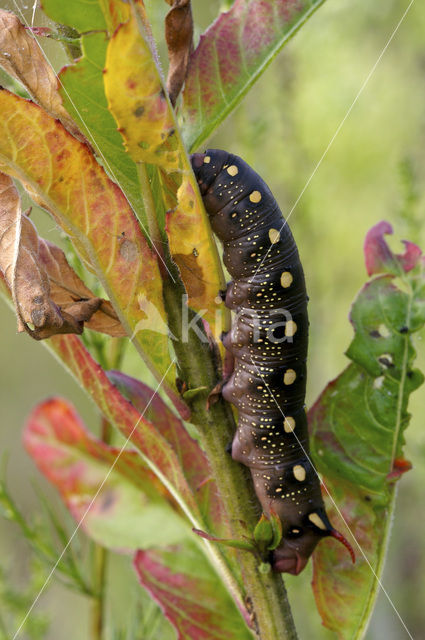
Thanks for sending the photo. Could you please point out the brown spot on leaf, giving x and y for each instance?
(128, 250)
(191, 273)
(139, 111)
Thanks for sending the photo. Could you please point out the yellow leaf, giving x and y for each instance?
(137, 100)
(193, 250)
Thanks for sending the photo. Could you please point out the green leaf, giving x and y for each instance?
(231, 56)
(83, 93)
(357, 428)
(83, 15)
(84, 96)
(268, 532)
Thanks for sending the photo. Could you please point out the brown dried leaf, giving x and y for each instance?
(179, 37)
(22, 58)
(46, 291)
(71, 294)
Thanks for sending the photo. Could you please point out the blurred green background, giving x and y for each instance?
(374, 170)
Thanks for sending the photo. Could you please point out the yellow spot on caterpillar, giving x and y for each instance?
(299, 472)
(207, 160)
(255, 196)
(289, 376)
(290, 329)
(317, 521)
(286, 279)
(278, 490)
(289, 424)
(232, 170)
(274, 236)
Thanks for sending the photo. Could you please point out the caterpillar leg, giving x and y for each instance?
(228, 366)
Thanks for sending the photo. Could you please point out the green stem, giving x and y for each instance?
(265, 594)
(99, 570)
(100, 557)
(151, 215)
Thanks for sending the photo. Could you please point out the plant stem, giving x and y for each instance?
(100, 557)
(99, 570)
(150, 210)
(265, 594)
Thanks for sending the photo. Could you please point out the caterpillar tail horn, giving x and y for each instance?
(338, 536)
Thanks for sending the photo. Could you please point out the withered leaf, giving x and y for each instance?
(179, 37)
(22, 58)
(46, 291)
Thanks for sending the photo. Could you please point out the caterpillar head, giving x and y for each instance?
(299, 542)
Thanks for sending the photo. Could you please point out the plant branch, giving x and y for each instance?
(100, 557)
(150, 210)
(264, 592)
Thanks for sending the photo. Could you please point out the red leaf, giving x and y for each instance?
(189, 453)
(190, 594)
(232, 54)
(379, 257)
(112, 493)
(117, 410)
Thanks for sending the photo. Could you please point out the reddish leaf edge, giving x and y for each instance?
(379, 257)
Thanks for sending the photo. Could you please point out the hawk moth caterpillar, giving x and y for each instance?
(268, 340)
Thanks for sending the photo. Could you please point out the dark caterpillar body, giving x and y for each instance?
(268, 340)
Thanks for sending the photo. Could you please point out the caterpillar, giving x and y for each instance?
(268, 341)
